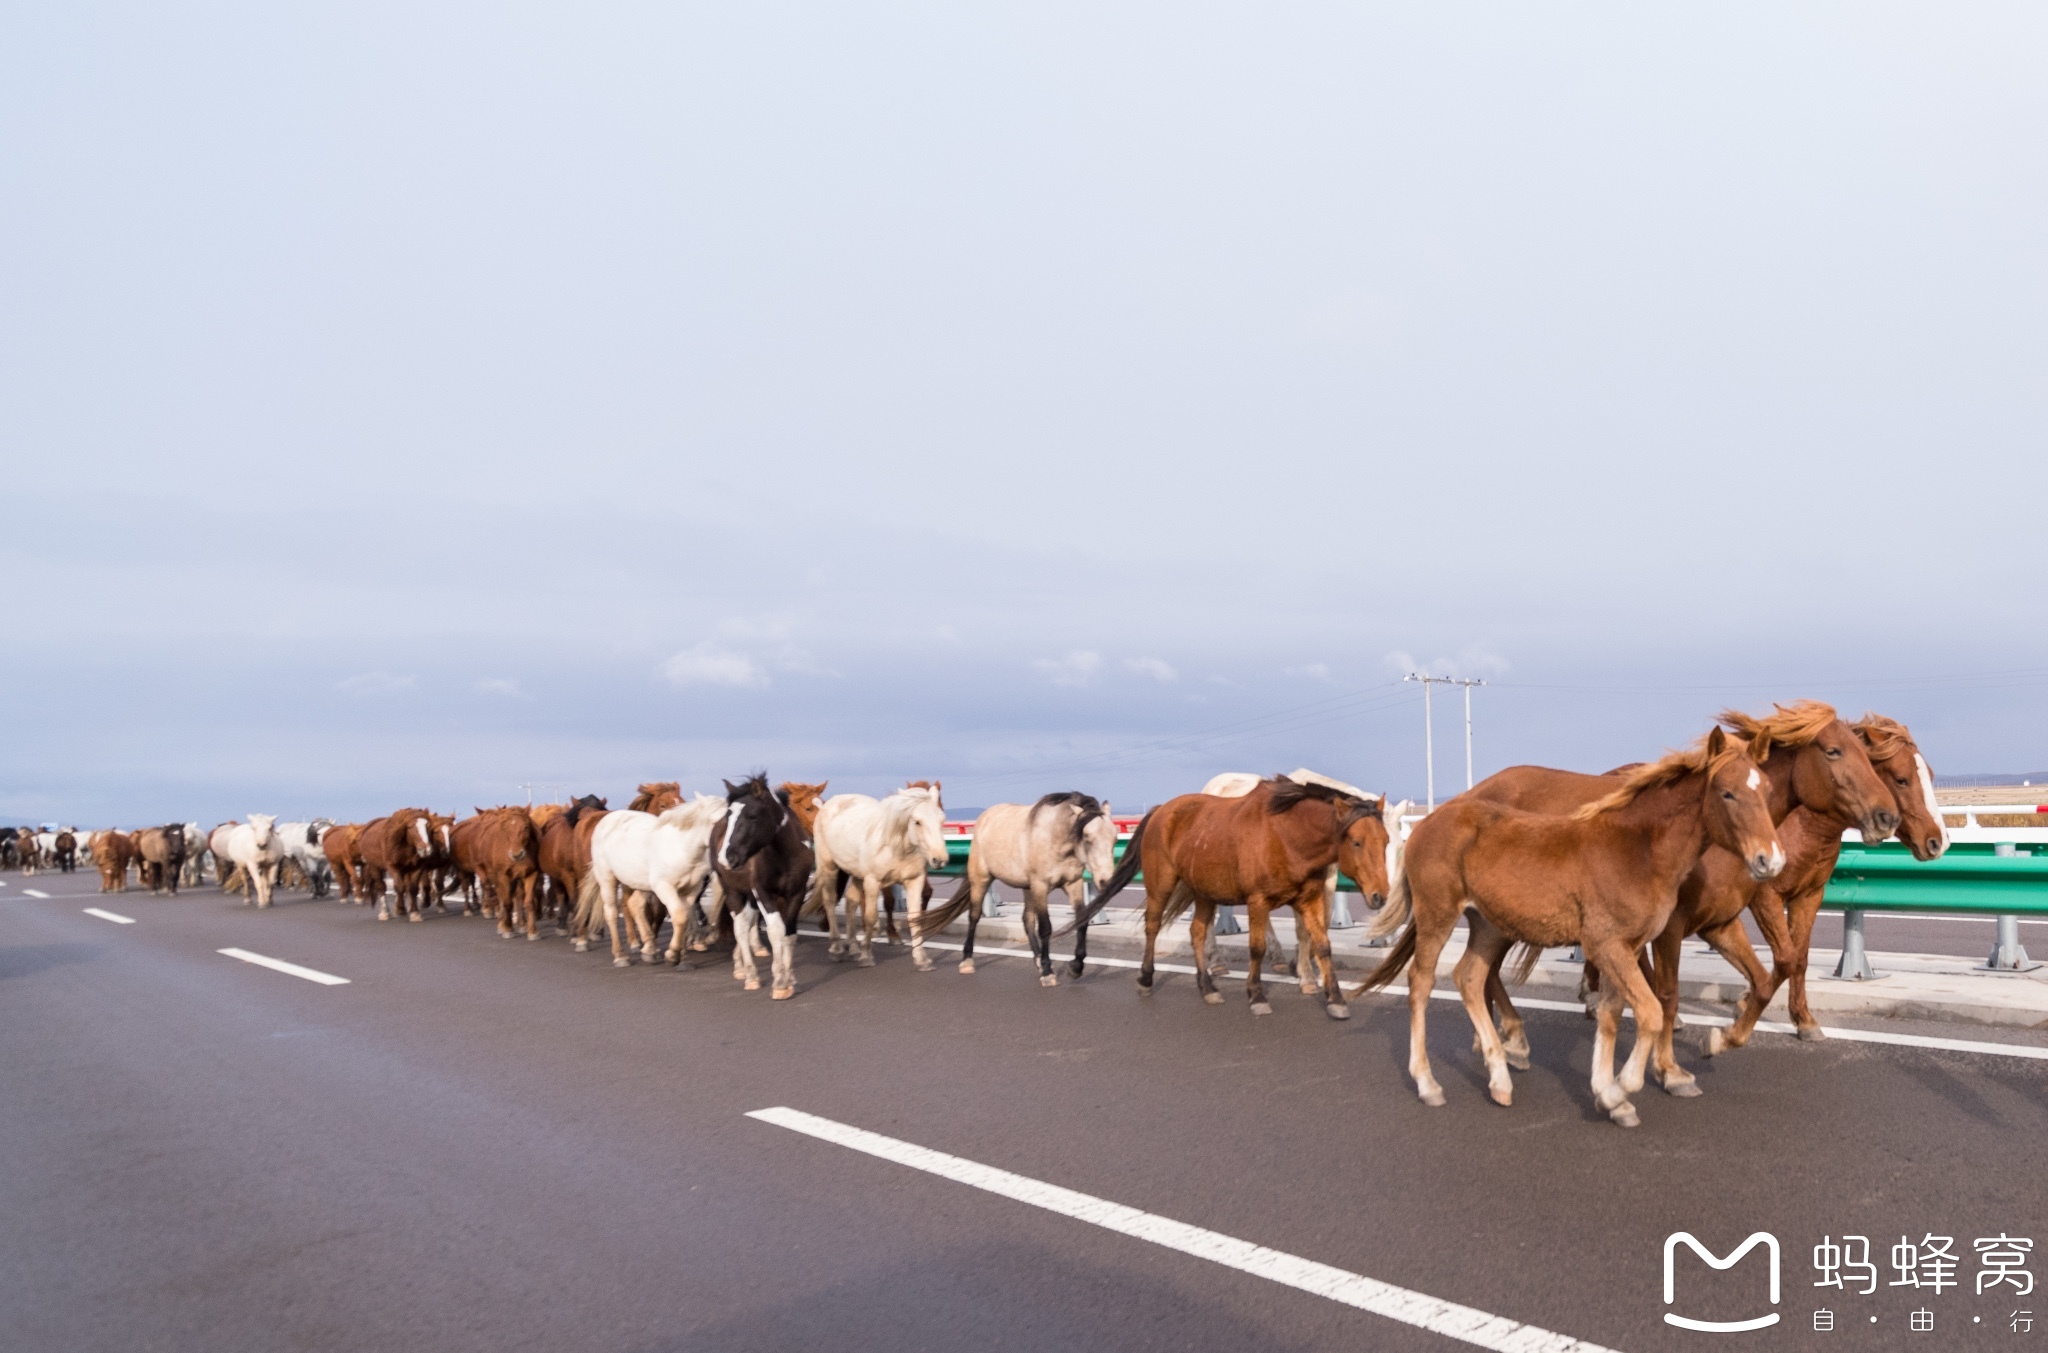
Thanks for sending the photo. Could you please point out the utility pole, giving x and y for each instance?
(1429, 729)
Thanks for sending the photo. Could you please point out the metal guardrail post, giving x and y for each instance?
(1854, 964)
(989, 905)
(1340, 914)
(1226, 922)
(2007, 955)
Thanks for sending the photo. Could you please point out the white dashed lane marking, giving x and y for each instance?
(325, 979)
(115, 917)
(34, 892)
(1463, 1323)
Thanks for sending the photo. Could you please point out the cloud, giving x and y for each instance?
(710, 663)
(375, 683)
(1076, 669)
(1156, 668)
(505, 686)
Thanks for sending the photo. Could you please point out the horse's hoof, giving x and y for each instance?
(1213, 997)
(504, 934)
(753, 984)
(1505, 1097)
(1049, 980)
(1433, 1096)
(1219, 969)
(1713, 1044)
(1607, 1099)
(1144, 988)
(1624, 1115)
(1811, 1033)
(867, 960)
(622, 963)
(1337, 1010)
(1309, 989)
(967, 965)
(1284, 968)
(1682, 1089)
(782, 993)
(581, 946)
(1075, 967)
(922, 963)
(414, 917)
(1518, 1061)
(533, 937)
(1262, 1007)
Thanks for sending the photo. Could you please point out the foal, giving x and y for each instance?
(1605, 877)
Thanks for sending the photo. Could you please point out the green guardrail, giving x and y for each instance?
(2004, 881)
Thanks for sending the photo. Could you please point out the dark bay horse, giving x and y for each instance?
(763, 856)
(1810, 759)
(1268, 849)
(1605, 877)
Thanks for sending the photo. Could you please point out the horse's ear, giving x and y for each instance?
(729, 790)
(1717, 742)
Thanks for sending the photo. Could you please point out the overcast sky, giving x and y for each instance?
(406, 403)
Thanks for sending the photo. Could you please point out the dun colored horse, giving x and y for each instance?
(1270, 848)
(1605, 877)
(866, 846)
(160, 857)
(1053, 843)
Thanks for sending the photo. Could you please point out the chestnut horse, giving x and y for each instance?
(401, 845)
(338, 844)
(113, 852)
(1606, 877)
(1811, 760)
(500, 846)
(565, 851)
(1270, 848)
(1813, 842)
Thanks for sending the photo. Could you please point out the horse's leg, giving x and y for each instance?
(1800, 913)
(1514, 1035)
(1731, 941)
(649, 923)
(1624, 981)
(1257, 912)
(1157, 890)
(915, 894)
(1664, 952)
(1607, 1028)
(1429, 943)
(977, 889)
(608, 891)
(829, 886)
(782, 940)
(1198, 932)
(871, 892)
(1486, 946)
(1312, 949)
(743, 966)
(1077, 898)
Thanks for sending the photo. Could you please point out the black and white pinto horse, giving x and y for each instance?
(764, 859)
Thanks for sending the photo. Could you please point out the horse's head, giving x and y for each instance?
(753, 815)
(443, 833)
(804, 799)
(1362, 854)
(1735, 810)
(1898, 762)
(174, 838)
(924, 823)
(264, 825)
(419, 834)
(929, 787)
(1816, 760)
(1098, 845)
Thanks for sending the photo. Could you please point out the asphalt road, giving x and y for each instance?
(486, 1144)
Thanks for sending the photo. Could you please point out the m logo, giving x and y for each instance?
(1671, 1243)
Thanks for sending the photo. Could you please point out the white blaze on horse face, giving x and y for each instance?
(1927, 792)
(732, 817)
(1755, 777)
(426, 840)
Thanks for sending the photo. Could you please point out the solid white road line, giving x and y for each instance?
(325, 979)
(115, 917)
(1367, 1294)
(1769, 1026)
(33, 892)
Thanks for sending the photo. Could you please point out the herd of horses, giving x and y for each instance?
(1626, 865)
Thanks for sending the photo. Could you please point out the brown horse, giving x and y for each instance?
(338, 843)
(160, 857)
(656, 797)
(1268, 849)
(502, 847)
(1605, 877)
(403, 847)
(1813, 843)
(560, 863)
(113, 852)
(804, 800)
(1810, 759)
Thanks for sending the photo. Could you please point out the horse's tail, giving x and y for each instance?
(1179, 900)
(1390, 966)
(932, 922)
(586, 904)
(817, 904)
(1126, 870)
(1400, 906)
(1525, 959)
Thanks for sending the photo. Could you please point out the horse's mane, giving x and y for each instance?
(690, 814)
(575, 811)
(1793, 725)
(1087, 808)
(1663, 771)
(1287, 793)
(1886, 738)
(643, 802)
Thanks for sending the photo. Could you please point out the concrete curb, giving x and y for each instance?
(1909, 986)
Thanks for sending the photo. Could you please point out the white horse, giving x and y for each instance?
(301, 842)
(876, 844)
(254, 848)
(669, 856)
(196, 851)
